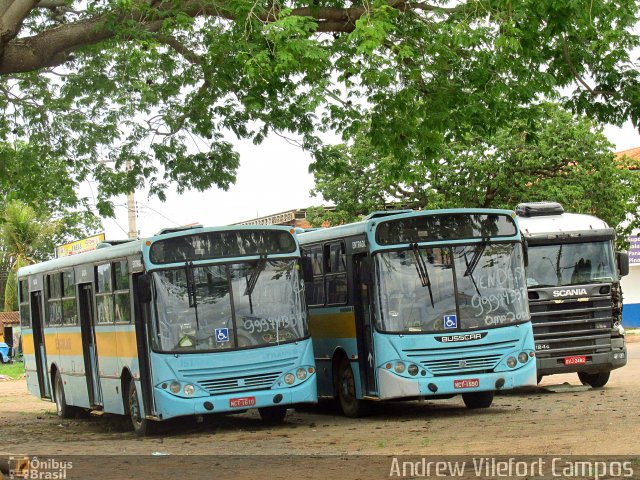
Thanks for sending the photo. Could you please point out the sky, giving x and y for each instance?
(273, 177)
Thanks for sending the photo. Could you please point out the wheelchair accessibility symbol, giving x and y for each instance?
(450, 321)
(222, 335)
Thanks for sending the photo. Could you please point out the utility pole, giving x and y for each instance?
(131, 209)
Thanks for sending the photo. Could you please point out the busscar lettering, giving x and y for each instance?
(461, 338)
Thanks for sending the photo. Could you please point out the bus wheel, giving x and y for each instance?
(64, 410)
(478, 399)
(595, 380)
(346, 385)
(273, 414)
(141, 425)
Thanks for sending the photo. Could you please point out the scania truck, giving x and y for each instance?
(573, 283)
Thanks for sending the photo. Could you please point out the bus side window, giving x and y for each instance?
(54, 293)
(104, 299)
(69, 310)
(25, 313)
(336, 276)
(315, 288)
(122, 312)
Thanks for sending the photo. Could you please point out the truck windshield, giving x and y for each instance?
(570, 264)
(469, 287)
(225, 307)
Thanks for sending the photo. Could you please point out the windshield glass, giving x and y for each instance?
(466, 287)
(570, 264)
(230, 306)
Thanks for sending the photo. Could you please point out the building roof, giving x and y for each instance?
(633, 154)
(9, 319)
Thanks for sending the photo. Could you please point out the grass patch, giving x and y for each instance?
(12, 370)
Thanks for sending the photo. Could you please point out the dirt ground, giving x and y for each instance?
(537, 421)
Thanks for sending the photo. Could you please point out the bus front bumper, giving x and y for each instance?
(395, 386)
(169, 406)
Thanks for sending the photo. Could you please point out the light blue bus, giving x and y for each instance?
(189, 322)
(419, 304)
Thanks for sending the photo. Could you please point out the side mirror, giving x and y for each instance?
(144, 288)
(525, 253)
(623, 263)
(307, 269)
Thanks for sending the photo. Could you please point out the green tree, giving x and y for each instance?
(26, 238)
(164, 83)
(549, 155)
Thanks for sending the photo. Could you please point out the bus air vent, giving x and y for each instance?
(538, 209)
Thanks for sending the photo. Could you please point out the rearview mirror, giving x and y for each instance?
(144, 288)
(623, 263)
(525, 253)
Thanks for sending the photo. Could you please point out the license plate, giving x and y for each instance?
(468, 383)
(575, 360)
(242, 402)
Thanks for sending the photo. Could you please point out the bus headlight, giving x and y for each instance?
(301, 374)
(413, 369)
(189, 390)
(174, 387)
(289, 378)
(399, 368)
(511, 362)
(523, 357)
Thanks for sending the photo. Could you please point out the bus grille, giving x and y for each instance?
(457, 360)
(238, 384)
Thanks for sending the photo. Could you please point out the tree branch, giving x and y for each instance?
(179, 47)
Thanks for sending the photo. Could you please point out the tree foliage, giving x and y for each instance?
(166, 84)
(549, 155)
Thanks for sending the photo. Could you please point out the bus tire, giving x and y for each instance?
(141, 425)
(595, 380)
(346, 387)
(273, 414)
(63, 410)
(475, 400)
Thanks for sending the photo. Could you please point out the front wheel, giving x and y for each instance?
(346, 386)
(63, 410)
(595, 380)
(273, 414)
(478, 399)
(141, 425)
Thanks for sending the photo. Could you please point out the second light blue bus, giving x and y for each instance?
(419, 304)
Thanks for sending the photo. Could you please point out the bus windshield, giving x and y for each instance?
(570, 264)
(462, 288)
(225, 307)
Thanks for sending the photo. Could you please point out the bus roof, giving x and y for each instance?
(361, 227)
(566, 222)
(107, 252)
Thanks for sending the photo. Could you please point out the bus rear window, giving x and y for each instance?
(455, 226)
(221, 244)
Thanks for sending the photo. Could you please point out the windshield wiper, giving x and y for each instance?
(423, 272)
(191, 290)
(255, 274)
(471, 266)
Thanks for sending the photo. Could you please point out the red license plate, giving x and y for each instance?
(575, 360)
(242, 402)
(468, 383)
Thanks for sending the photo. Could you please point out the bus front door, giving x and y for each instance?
(364, 327)
(87, 321)
(40, 350)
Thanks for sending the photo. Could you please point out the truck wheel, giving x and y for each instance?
(346, 387)
(478, 399)
(273, 414)
(595, 380)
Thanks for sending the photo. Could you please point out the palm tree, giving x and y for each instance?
(24, 236)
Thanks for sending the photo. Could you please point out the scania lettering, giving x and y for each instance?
(413, 315)
(573, 280)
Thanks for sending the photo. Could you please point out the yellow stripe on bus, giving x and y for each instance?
(70, 343)
(333, 325)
